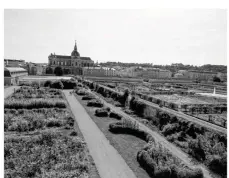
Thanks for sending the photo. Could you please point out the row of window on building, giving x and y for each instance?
(61, 63)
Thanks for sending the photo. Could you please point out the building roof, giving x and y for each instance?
(69, 57)
(15, 69)
(14, 60)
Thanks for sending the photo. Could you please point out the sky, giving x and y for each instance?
(158, 36)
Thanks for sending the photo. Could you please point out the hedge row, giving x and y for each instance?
(61, 84)
(130, 128)
(34, 103)
(95, 103)
(155, 159)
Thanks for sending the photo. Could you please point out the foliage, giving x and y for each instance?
(115, 115)
(95, 103)
(49, 70)
(218, 164)
(34, 103)
(31, 92)
(23, 120)
(68, 84)
(57, 84)
(47, 83)
(58, 71)
(127, 126)
(102, 112)
(216, 79)
(159, 162)
(49, 154)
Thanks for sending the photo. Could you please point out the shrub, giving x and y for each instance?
(218, 164)
(164, 119)
(95, 103)
(73, 133)
(130, 127)
(57, 84)
(52, 122)
(68, 84)
(34, 103)
(101, 112)
(196, 150)
(137, 106)
(58, 71)
(169, 129)
(188, 173)
(146, 162)
(47, 83)
(70, 121)
(115, 115)
(88, 97)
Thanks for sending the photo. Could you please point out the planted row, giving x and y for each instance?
(50, 154)
(153, 157)
(34, 103)
(30, 120)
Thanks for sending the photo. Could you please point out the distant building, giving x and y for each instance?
(13, 74)
(37, 68)
(13, 63)
(179, 76)
(70, 64)
(201, 75)
(151, 73)
(99, 71)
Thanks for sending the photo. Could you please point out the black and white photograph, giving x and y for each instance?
(115, 93)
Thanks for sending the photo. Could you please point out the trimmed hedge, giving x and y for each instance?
(115, 115)
(120, 127)
(95, 103)
(161, 164)
(88, 97)
(101, 112)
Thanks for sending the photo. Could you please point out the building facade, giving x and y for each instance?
(201, 75)
(70, 64)
(13, 63)
(99, 71)
(13, 74)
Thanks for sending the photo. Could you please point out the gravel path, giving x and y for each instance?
(8, 91)
(108, 161)
(158, 138)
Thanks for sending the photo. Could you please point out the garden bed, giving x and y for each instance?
(42, 138)
(204, 145)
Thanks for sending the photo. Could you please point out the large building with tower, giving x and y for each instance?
(73, 64)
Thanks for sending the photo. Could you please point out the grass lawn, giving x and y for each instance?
(126, 145)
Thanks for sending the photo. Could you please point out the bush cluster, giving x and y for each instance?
(115, 115)
(61, 84)
(95, 103)
(88, 97)
(23, 120)
(101, 112)
(127, 126)
(159, 162)
(50, 154)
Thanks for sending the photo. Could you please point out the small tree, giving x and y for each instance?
(57, 84)
(49, 70)
(216, 79)
(58, 71)
(47, 83)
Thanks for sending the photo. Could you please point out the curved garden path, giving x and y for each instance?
(108, 161)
